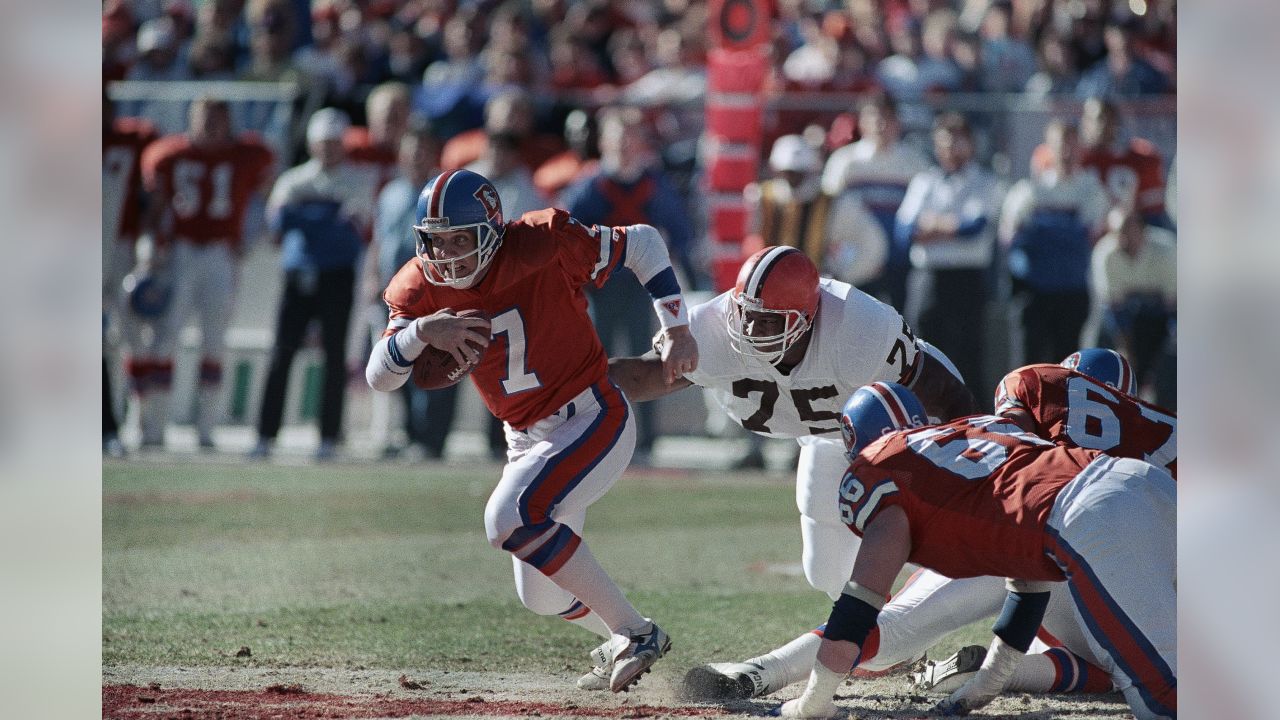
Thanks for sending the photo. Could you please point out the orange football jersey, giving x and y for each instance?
(544, 349)
(1075, 409)
(977, 493)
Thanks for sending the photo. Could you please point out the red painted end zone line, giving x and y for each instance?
(130, 702)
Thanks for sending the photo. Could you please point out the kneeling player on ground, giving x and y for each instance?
(1088, 401)
(1033, 512)
(1076, 404)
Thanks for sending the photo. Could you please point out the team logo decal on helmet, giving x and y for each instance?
(776, 281)
(876, 409)
(488, 197)
(458, 200)
(1104, 365)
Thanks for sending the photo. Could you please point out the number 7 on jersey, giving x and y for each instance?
(519, 378)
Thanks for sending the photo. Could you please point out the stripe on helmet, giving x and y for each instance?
(892, 404)
(764, 266)
(437, 193)
(1125, 372)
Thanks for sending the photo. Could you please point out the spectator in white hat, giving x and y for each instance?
(838, 233)
(160, 56)
(320, 211)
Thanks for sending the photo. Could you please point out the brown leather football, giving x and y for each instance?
(435, 369)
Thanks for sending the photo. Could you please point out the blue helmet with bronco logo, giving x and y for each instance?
(458, 200)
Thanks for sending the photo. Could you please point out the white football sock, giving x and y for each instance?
(209, 412)
(790, 663)
(153, 414)
(583, 576)
(1035, 673)
(593, 623)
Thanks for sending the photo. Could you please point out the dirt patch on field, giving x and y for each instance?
(152, 693)
(130, 702)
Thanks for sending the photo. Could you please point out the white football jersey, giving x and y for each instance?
(856, 340)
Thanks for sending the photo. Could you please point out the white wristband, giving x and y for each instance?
(408, 344)
(868, 596)
(672, 311)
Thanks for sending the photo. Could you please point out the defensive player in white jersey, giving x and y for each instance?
(781, 352)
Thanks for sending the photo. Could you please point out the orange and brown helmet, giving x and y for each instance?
(779, 281)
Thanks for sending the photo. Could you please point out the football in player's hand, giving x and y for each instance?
(435, 368)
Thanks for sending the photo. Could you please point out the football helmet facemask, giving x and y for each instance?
(779, 281)
(458, 200)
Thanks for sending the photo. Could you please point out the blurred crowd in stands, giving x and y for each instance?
(596, 106)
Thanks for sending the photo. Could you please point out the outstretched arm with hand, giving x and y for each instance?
(885, 546)
(1014, 630)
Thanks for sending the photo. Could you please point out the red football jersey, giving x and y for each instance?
(1136, 172)
(205, 191)
(122, 147)
(544, 349)
(380, 161)
(1074, 409)
(977, 493)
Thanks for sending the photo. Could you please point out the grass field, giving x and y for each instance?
(343, 572)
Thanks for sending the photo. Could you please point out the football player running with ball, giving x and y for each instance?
(781, 352)
(540, 367)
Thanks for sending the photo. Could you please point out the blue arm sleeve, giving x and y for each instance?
(851, 619)
(664, 284)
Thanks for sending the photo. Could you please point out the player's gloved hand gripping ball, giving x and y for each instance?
(435, 368)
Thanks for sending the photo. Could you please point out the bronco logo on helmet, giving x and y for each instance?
(488, 197)
(1104, 365)
(878, 409)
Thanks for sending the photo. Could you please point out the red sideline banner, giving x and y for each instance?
(737, 66)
